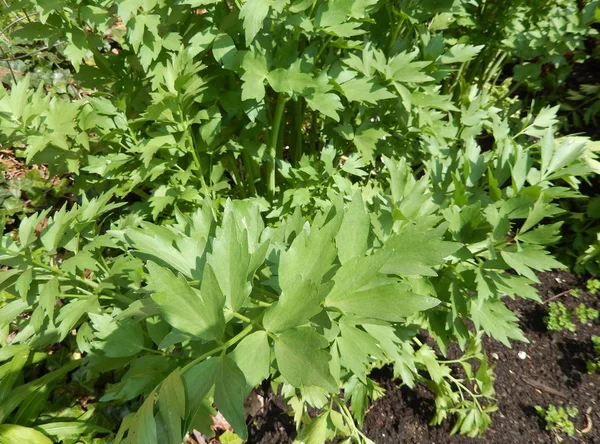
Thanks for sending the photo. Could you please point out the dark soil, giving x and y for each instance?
(555, 362)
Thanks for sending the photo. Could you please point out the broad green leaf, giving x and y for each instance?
(68, 429)
(184, 307)
(48, 294)
(529, 258)
(416, 253)
(230, 261)
(461, 53)
(142, 376)
(391, 302)
(302, 360)
(496, 320)
(365, 90)
(15, 367)
(255, 73)
(351, 240)
(198, 380)
(230, 391)
(357, 350)
(172, 406)
(10, 311)
(316, 431)
(117, 339)
(157, 243)
(144, 427)
(310, 256)
(253, 13)
(253, 356)
(357, 273)
(300, 301)
(16, 434)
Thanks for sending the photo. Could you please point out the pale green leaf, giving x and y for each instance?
(390, 302)
(302, 360)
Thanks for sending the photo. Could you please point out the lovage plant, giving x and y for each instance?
(267, 190)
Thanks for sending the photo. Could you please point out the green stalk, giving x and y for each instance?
(276, 126)
(249, 170)
(297, 142)
(224, 346)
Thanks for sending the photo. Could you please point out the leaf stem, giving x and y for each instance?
(271, 165)
(224, 346)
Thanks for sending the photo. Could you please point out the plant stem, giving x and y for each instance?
(276, 125)
(224, 346)
(297, 142)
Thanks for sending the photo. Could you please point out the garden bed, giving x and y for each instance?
(553, 372)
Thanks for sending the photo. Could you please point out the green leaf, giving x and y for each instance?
(351, 240)
(16, 434)
(416, 253)
(230, 261)
(310, 256)
(316, 431)
(184, 307)
(172, 406)
(198, 380)
(68, 429)
(391, 302)
(357, 350)
(230, 391)
(253, 356)
(156, 243)
(496, 320)
(461, 53)
(365, 90)
(530, 257)
(144, 426)
(117, 339)
(253, 13)
(357, 273)
(15, 367)
(302, 360)
(255, 73)
(300, 301)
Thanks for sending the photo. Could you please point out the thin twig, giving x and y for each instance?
(12, 73)
(556, 296)
(538, 385)
(24, 56)
(14, 22)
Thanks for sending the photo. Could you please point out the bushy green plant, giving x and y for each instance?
(558, 419)
(272, 190)
(594, 365)
(559, 318)
(586, 314)
(593, 285)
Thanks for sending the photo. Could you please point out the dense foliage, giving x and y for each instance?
(275, 190)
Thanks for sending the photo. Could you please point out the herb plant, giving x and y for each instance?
(594, 365)
(559, 318)
(558, 419)
(283, 191)
(593, 285)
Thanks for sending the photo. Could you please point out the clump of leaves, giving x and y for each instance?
(586, 314)
(593, 285)
(558, 419)
(559, 318)
(594, 365)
